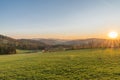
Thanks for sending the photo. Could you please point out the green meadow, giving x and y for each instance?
(85, 64)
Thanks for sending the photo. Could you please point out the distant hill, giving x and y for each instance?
(29, 44)
(84, 41)
(51, 41)
(35, 44)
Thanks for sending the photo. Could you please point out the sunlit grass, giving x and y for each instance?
(86, 64)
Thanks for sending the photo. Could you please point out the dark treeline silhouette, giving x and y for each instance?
(84, 44)
(94, 43)
(29, 44)
(9, 45)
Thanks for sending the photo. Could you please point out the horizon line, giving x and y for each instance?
(65, 37)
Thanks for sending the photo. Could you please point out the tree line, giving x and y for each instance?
(9, 46)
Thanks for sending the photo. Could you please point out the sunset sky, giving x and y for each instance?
(65, 19)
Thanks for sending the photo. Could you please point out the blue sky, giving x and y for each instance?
(59, 18)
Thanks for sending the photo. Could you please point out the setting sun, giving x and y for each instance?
(113, 35)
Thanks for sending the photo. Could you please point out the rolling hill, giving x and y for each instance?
(34, 44)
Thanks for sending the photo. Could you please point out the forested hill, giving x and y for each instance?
(30, 44)
(6, 39)
(7, 45)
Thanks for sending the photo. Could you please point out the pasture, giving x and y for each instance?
(85, 64)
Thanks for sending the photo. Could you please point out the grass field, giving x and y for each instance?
(86, 64)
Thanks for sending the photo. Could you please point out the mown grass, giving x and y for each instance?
(86, 64)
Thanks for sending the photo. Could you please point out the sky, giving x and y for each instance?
(64, 19)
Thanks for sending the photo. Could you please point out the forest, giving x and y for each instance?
(9, 45)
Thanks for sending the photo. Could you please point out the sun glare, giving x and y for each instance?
(113, 35)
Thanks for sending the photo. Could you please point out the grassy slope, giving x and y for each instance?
(87, 64)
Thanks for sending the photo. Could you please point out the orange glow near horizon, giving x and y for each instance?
(56, 36)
